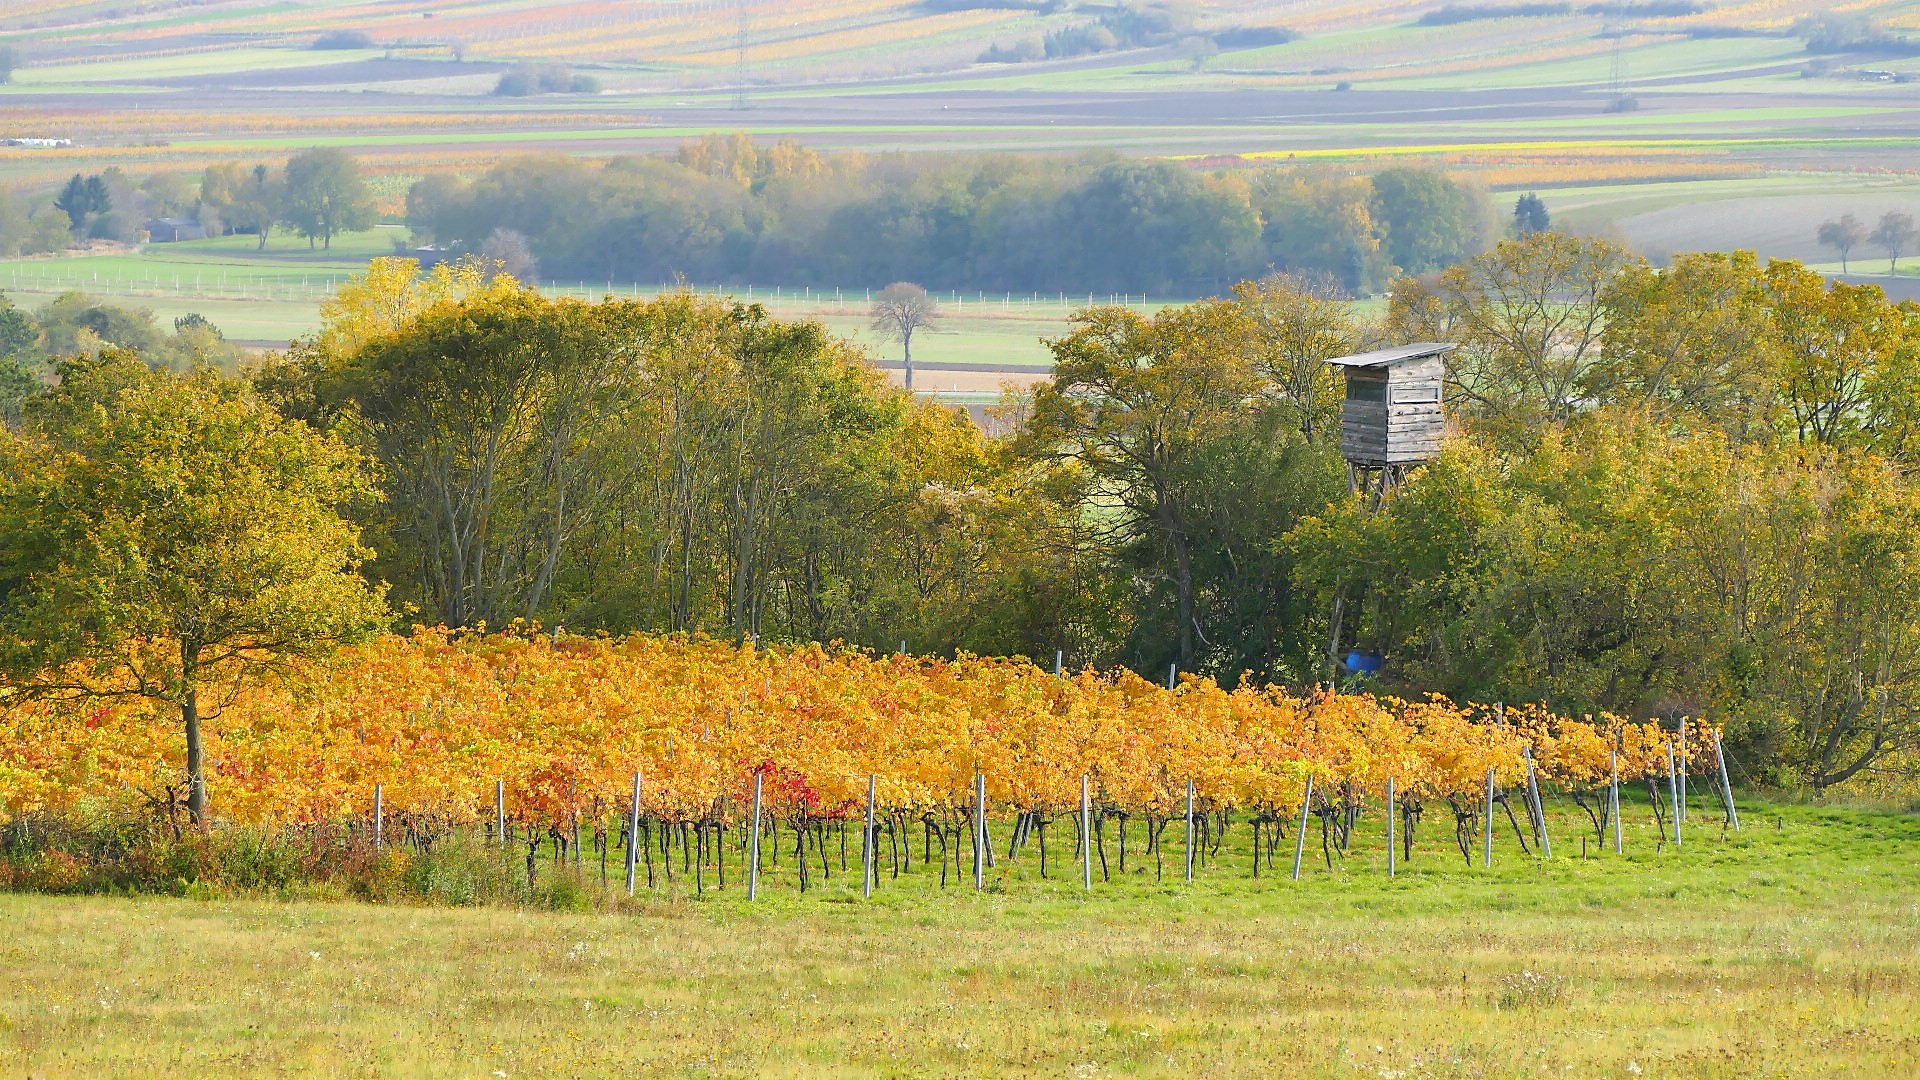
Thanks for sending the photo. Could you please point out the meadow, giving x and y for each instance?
(1791, 948)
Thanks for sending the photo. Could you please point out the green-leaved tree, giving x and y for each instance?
(161, 535)
(324, 194)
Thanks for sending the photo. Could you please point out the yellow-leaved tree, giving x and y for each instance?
(161, 534)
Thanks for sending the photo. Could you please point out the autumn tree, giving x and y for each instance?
(900, 310)
(1842, 234)
(324, 194)
(1693, 343)
(162, 535)
(1295, 325)
(1529, 317)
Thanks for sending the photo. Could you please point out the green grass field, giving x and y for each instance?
(275, 295)
(1789, 949)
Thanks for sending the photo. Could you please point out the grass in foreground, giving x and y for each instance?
(1788, 949)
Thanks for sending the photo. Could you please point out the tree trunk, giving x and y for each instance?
(196, 760)
(906, 352)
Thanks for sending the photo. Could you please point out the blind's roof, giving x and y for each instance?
(1399, 354)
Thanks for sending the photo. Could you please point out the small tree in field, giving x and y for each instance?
(1842, 234)
(160, 534)
(899, 310)
(1893, 234)
(323, 194)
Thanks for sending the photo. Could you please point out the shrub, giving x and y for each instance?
(344, 39)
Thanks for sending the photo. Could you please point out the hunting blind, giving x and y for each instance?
(1391, 419)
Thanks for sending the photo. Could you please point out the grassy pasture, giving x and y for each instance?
(1789, 949)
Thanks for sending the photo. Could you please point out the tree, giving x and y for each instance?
(507, 249)
(1195, 463)
(81, 200)
(1295, 325)
(162, 535)
(1430, 222)
(1894, 232)
(1694, 345)
(1530, 215)
(236, 198)
(1529, 317)
(325, 194)
(1842, 234)
(901, 309)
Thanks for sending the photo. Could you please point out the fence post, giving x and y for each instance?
(1726, 784)
(979, 831)
(633, 834)
(1613, 803)
(500, 811)
(1390, 826)
(1086, 833)
(866, 848)
(753, 858)
(1173, 675)
(1300, 838)
(379, 815)
(1487, 833)
(1189, 831)
(1059, 663)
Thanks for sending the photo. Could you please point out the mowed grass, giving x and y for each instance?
(1789, 949)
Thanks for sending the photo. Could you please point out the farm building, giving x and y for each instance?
(169, 229)
(1392, 417)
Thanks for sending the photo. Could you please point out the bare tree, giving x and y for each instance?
(506, 249)
(1842, 234)
(899, 310)
(1893, 233)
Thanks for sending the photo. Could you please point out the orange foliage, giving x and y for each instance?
(565, 722)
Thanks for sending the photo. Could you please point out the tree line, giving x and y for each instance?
(316, 193)
(1666, 491)
(726, 209)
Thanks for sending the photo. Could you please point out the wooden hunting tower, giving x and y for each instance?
(1391, 419)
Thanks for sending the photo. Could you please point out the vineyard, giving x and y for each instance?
(547, 740)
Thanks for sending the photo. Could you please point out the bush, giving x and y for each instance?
(344, 39)
(1253, 37)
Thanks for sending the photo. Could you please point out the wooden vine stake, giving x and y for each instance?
(1613, 803)
(633, 835)
(1539, 809)
(1389, 826)
(866, 848)
(753, 856)
(1726, 784)
(1189, 832)
(1683, 770)
(379, 815)
(1673, 790)
(1086, 832)
(1487, 833)
(1300, 839)
(979, 831)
